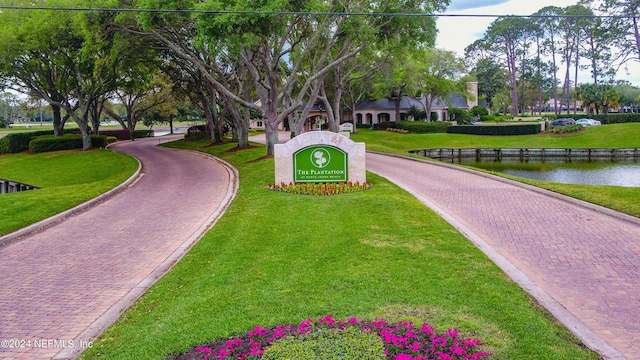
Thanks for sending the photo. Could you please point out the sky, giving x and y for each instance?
(456, 33)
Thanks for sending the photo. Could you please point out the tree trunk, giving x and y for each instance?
(58, 124)
(271, 128)
(86, 134)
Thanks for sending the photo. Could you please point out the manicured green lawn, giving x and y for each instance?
(607, 136)
(282, 258)
(65, 178)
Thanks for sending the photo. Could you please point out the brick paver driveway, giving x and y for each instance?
(63, 285)
(580, 261)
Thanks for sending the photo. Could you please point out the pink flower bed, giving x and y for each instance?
(402, 341)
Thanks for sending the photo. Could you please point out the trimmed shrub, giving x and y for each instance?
(461, 116)
(120, 134)
(384, 125)
(138, 134)
(19, 142)
(491, 118)
(420, 127)
(565, 129)
(610, 118)
(66, 142)
(15, 143)
(363, 126)
(525, 129)
(479, 111)
(350, 343)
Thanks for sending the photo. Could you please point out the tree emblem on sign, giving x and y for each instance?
(320, 158)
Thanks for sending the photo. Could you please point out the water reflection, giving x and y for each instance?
(563, 170)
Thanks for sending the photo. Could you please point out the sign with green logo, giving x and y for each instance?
(320, 163)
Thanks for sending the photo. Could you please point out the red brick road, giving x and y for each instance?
(578, 260)
(62, 286)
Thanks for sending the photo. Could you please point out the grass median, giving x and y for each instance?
(281, 258)
(65, 179)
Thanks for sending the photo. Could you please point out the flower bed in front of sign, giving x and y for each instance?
(401, 341)
(320, 189)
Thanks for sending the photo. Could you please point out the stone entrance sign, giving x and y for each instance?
(346, 127)
(320, 157)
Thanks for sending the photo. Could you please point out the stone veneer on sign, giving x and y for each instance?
(284, 153)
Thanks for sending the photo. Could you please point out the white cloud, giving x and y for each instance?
(456, 33)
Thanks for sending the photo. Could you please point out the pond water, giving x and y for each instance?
(563, 170)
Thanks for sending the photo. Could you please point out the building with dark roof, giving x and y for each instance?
(377, 111)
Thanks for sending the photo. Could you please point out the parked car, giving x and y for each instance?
(563, 122)
(588, 122)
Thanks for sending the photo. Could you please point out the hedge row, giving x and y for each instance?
(66, 142)
(125, 134)
(120, 134)
(525, 129)
(421, 127)
(611, 118)
(19, 142)
(138, 134)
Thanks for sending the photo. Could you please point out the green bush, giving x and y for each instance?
(15, 143)
(420, 127)
(491, 118)
(565, 129)
(461, 116)
(66, 142)
(363, 126)
(138, 134)
(326, 344)
(384, 125)
(19, 142)
(524, 129)
(610, 118)
(120, 134)
(479, 111)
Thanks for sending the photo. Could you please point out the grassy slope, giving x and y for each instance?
(374, 253)
(65, 178)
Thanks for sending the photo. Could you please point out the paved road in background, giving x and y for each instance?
(580, 261)
(62, 286)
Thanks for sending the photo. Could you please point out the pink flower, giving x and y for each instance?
(258, 331)
(233, 343)
(203, 349)
(223, 353)
(415, 347)
(427, 329)
(352, 320)
(456, 350)
(328, 320)
(303, 328)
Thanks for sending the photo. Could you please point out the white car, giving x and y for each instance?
(588, 122)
